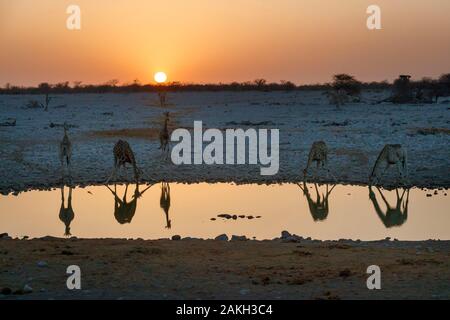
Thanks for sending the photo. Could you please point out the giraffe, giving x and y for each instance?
(65, 151)
(123, 154)
(319, 209)
(123, 210)
(164, 202)
(164, 136)
(319, 154)
(394, 216)
(162, 98)
(391, 154)
(337, 97)
(66, 215)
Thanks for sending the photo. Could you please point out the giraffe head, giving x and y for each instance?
(67, 231)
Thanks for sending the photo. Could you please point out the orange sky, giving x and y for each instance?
(304, 41)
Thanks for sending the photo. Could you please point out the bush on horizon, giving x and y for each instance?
(348, 83)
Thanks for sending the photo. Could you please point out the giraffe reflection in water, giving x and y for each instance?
(320, 207)
(66, 214)
(394, 215)
(123, 210)
(164, 202)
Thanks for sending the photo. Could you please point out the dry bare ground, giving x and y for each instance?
(212, 269)
(355, 135)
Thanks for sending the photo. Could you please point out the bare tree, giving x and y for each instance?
(260, 83)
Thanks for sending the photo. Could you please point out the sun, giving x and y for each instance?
(160, 77)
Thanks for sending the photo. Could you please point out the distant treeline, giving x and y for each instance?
(258, 84)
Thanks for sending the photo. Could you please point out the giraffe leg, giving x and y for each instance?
(68, 168)
(378, 177)
(327, 168)
(70, 197)
(384, 171)
(136, 172)
(167, 150)
(62, 195)
(317, 192)
(404, 168)
(126, 173)
(400, 173)
(165, 155)
(331, 174)
(126, 189)
(308, 163)
(113, 174)
(61, 159)
(305, 173)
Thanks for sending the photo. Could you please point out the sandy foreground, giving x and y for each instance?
(354, 135)
(214, 269)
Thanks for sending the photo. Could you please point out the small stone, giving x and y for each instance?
(189, 238)
(213, 219)
(224, 215)
(6, 291)
(222, 237)
(345, 273)
(42, 264)
(48, 238)
(285, 234)
(176, 237)
(234, 217)
(238, 238)
(250, 217)
(292, 238)
(428, 194)
(242, 216)
(27, 289)
(244, 291)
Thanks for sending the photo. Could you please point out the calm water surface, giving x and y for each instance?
(163, 210)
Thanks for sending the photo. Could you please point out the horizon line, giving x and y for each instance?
(118, 83)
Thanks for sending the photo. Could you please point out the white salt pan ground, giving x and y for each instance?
(355, 135)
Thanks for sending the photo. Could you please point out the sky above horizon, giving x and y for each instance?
(205, 41)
